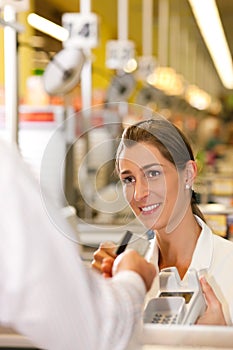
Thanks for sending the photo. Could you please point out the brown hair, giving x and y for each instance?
(168, 139)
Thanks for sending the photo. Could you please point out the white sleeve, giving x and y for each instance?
(46, 293)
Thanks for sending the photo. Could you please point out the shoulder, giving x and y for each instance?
(222, 243)
(222, 253)
(206, 230)
(222, 247)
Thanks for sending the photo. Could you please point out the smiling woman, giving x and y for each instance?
(157, 169)
(146, 184)
(154, 156)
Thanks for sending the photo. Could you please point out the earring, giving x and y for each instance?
(187, 187)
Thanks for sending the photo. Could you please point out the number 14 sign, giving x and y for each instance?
(82, 28)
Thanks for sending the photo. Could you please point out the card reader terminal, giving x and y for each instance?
(178, 301)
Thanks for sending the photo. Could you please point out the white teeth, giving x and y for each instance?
(150, 207)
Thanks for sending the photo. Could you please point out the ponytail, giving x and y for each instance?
(195, 208)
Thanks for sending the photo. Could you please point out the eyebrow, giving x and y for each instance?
(151, 165)
(143, 168)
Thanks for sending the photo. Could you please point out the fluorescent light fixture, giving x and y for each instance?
(44, 25)
(210, 25)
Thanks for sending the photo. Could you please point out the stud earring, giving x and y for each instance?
(187, 187)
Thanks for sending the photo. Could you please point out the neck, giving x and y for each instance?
(176, 248)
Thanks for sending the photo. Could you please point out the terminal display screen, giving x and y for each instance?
(186, 295)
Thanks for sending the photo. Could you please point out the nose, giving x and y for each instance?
(141, 189)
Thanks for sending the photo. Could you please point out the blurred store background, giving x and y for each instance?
(113, 57)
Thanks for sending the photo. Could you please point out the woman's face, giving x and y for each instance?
(151, 185)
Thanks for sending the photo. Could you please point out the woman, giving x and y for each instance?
(157, 169)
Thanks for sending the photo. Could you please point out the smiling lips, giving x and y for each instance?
(150, 208)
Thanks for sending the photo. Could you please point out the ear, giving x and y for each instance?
(190, 172)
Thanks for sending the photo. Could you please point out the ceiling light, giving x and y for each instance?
(48, 27)
(167, 80)
(197, 97)
(209, 22)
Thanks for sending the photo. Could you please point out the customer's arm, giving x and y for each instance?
(46, 293)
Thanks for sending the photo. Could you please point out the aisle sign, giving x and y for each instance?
(82, 28)
(118, 53)
(18, 5)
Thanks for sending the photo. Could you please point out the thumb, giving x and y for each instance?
(208, 292)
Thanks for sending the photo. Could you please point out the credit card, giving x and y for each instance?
(132, 241)
(124, 242)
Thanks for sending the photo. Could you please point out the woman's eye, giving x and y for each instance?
(128, 180)
(153, 173)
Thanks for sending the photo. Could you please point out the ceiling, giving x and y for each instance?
(225, 9)
(107, 10)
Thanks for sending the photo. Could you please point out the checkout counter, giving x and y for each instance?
(11, 340)
(162, 337)
(154, 337)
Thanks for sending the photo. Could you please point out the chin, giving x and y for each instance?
(149, 222)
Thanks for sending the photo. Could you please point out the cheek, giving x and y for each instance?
(128, 192)
(172, 190)
(158, 187)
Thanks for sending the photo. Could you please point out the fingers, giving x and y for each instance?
(106, 261)
(105, 251)
(214, 313)
(106, 267)
(210, 296)
(131, 260)
(109, 248)
(96, 264)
